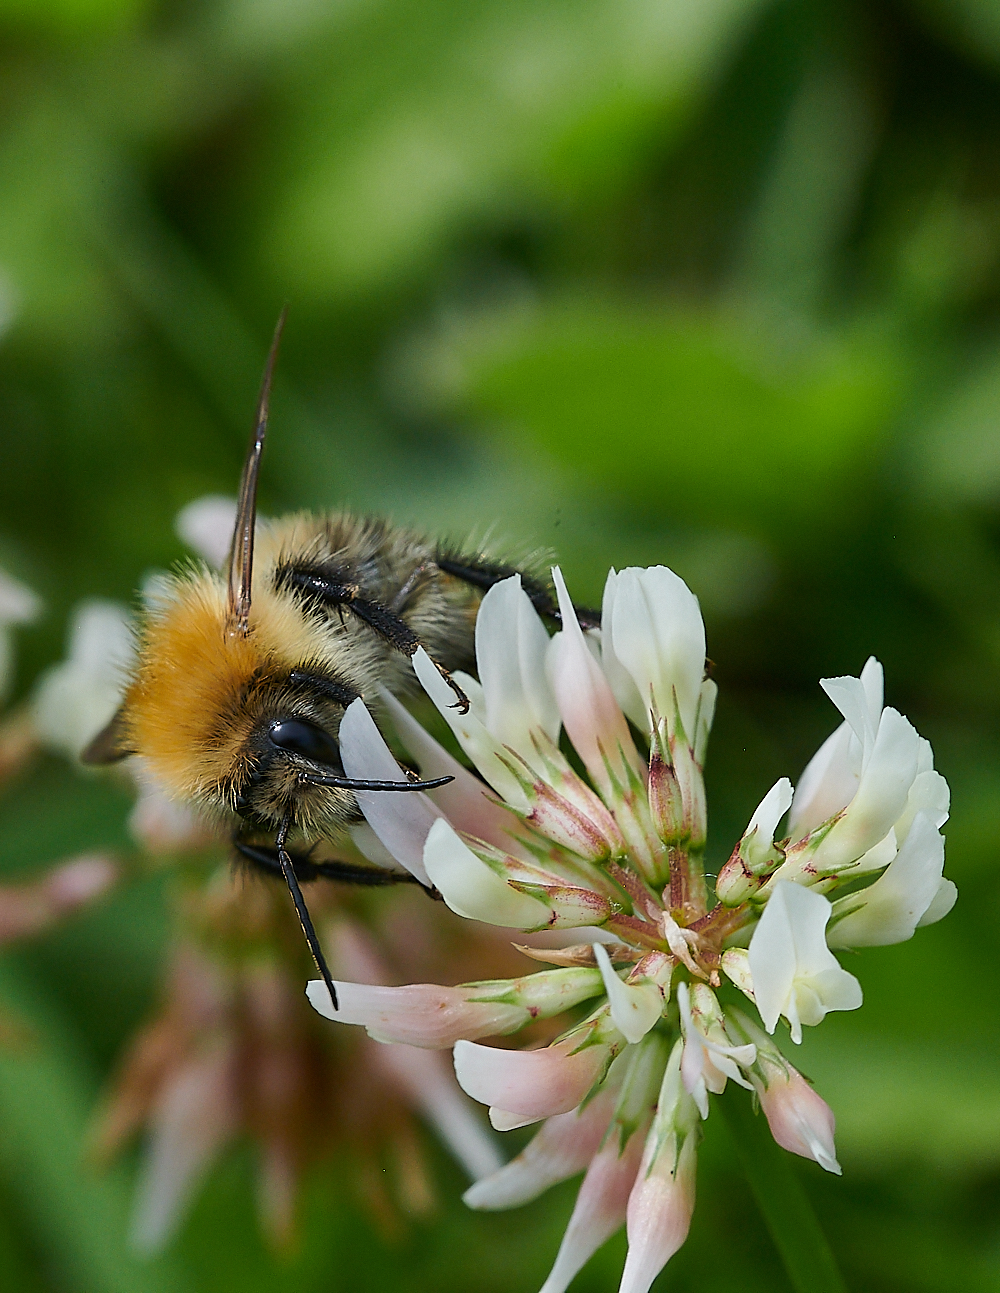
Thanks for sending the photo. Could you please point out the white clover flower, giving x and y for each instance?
(794, 973)
(619, 854)
(75, 699)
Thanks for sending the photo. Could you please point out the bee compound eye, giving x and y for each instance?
(299, 736)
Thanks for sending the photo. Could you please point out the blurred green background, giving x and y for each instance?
(714, 283)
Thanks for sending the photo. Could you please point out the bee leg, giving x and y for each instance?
(484, 574)
(302, 911)
(321, 588)
(266, 860)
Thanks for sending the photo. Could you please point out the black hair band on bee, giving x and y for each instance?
(352, 783)
(301, 910)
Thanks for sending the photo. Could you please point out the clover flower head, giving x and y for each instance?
(616, 852)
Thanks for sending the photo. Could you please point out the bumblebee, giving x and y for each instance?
(241, 679)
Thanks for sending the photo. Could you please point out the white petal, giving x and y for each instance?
(370, 846)
(828, 784)
(471, 889)
(897, 900)
(75, 699)
(929, 794)
(401, 821)
(850, 697)
(794, 972)
(466, 802)
(772, 960)
(881, 797)
(941, 904)
(771, 809)
(635, 1008)
(511, 644)
(504, 1120)
(873, 681)
(483, 749)
(658, 635)
(206, 525)
(619, 678)
(563, 1146)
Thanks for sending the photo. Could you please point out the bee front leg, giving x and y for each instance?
(321, 588)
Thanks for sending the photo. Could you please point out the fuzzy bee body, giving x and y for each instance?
(242, 678)
(204, 702)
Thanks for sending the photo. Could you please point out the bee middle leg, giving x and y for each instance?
(266, 859)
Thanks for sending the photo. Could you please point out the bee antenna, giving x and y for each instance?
(301, 910)
(241, 552)
(352, 783)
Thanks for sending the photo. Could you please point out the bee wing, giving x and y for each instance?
(110, 744)
(241, 552)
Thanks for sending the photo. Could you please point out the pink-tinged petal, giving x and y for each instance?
(471, 889)
(535, 1084)
(425, 1078)
(196, 1114)
(659, 1215)
(27, 909)
(467, 803)
(504, 1120)
(800, 1120)
(511, 644)
(401, 821)
(419, 1014)
(592, 716)
(563, 1146)
(206, 526)
(600, 1208)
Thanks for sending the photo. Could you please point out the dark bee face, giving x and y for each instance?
(288, 750)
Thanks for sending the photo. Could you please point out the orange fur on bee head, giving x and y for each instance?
(199, 687)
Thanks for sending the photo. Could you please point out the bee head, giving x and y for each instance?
(237, 723)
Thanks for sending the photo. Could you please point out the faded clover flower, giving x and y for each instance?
(233, 1049)
(622, 1092)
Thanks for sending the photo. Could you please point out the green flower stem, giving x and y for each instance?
(784, 1205)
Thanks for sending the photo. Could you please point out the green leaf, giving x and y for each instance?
(783, 1203)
